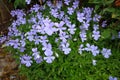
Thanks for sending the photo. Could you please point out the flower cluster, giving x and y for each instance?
(39, 32)
(112, 78)
(94, 50)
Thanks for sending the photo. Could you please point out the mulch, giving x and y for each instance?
(8, 66)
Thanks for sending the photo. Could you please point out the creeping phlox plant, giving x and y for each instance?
(46, 32)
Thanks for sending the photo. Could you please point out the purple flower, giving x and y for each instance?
(34, 49)
(39, 16)
(61, 14)
(33, 20)
(47, 49)
(65, 48)
(40, 29)
(37, 39)
(28, 1)
(47, 46)
(80, 16)
(88, 47)
(35, 8)
(43, 40)
(83, 36)
(95, 27)
(70, 11)
(49, 59)
(75, 4)
(14, 43)
(25, 59)
(67, 2)
(104, 23)
(96, 35)
(84, 26)
(3, 39)
(94, 50)
(96, 18)
(88, 12)
(54, 12)
(60, 26)
(19, 13)
(119, 34)
(59, 4)
(63, 36)
(36, 55)
(48, 52)
(81, 49)
(112, 78)
(49, 29)
(38, 59)
(66, 19)
(72, 29)
(30, 36)
(56, 40)
(23, 43)
(22, 49)
(49, 3)
(106, 52)
(13, 31)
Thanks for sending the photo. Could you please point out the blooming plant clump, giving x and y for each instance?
(45, 33)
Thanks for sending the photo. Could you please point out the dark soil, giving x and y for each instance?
(8, 67)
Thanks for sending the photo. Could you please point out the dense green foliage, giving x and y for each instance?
(76, 66)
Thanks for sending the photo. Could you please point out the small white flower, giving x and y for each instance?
(94, 62)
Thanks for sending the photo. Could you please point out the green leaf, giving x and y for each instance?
(106, 33)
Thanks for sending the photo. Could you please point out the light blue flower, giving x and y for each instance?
(61, 14)
(60, 26)
(63, 36)
(65, 48)
(70, 10)
(49, 59)
(88, 47)
(94, 50)
(35, 8)
(84, 26)
(75, 4)
(104, 24)
(3, 39)
(25, 59)
(47, 46)
(81, 48)
(106, 52)
(37, 39)
(96, 18)
(95, 27)
(54, 12)
(67, 2)
(28, 1)
(96, 35)
(36, 55)
(80, 17)
(48, 52)
(83, 36)
(14, 43)
(49, 29)
(72, 29)
(112, 78)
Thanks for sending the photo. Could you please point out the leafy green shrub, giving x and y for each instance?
(62, 42)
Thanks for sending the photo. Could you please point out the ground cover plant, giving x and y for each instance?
(63, 41)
